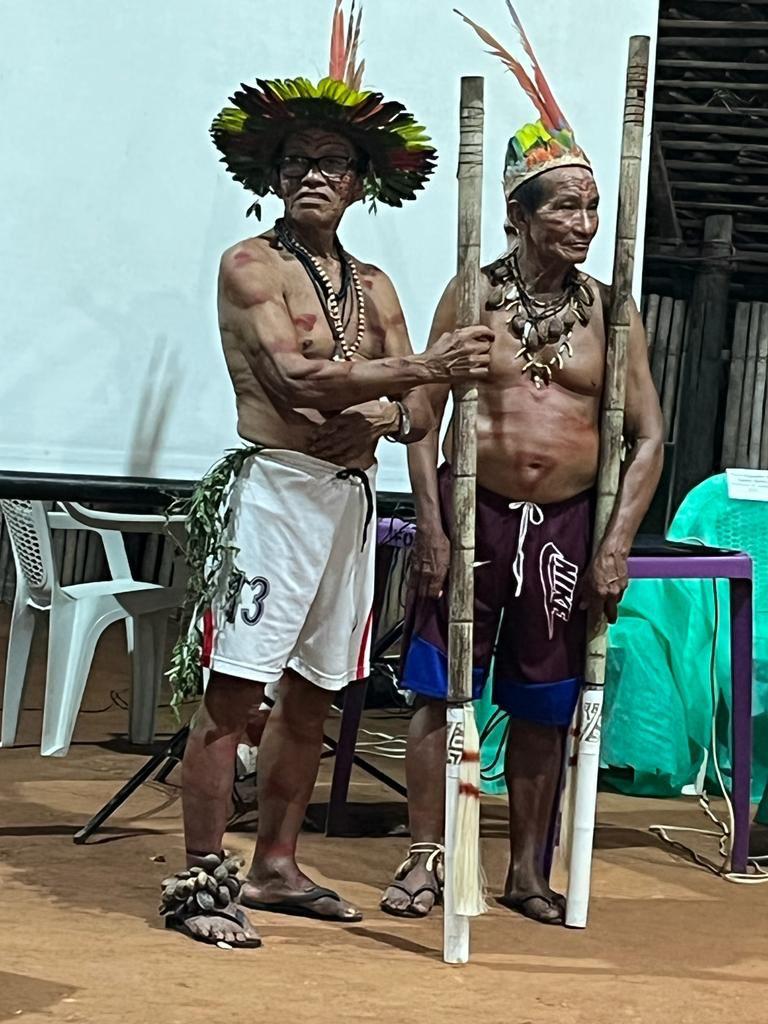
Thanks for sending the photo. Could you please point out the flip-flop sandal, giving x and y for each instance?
(435, 854)
(209, 889)
(410, 910)
(299, 904)
(520, 904)
(180, 924)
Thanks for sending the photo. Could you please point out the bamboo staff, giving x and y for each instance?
(612, 426)
(462, 895)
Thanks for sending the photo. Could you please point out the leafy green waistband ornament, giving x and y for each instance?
(206, 546)
(251, 133)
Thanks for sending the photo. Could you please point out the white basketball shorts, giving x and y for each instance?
(296, 592)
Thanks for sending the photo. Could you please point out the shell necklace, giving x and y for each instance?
(537, 324)
(330, 300)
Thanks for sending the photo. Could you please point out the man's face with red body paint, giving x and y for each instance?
(565, 219)
(318, 176)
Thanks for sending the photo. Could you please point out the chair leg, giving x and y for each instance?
(148, 664)
(19, 644)
(129, 636)
(75, 627)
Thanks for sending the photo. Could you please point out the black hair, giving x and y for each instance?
(531, 194)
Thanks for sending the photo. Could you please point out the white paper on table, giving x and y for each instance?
(747, 484)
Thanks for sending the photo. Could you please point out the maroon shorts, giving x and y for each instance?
(531, 560)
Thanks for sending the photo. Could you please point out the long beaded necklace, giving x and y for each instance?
(536, 323)
(331, 301)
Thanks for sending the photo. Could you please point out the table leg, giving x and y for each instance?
(741, 721)
(354, 702)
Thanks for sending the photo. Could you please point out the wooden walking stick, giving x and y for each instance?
(611, 431)
(463, 892)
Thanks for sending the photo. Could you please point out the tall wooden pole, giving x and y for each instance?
(611, 431)
(464, 458)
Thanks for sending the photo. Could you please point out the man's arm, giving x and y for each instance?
(644, 433)
(360, 426)
(256, 313)
(432, 552)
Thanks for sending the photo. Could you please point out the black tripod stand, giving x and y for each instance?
(162, 764)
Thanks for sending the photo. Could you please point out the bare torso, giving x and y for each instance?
(259, 418)
(540, 445)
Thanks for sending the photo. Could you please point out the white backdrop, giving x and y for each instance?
(115, 210)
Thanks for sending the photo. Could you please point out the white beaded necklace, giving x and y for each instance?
(344, 350)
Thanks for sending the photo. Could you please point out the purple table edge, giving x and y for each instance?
(736, 568)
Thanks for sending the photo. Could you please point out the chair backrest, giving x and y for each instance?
(709, 515)
(30, 536)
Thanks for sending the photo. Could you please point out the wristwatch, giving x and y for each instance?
(403, 424)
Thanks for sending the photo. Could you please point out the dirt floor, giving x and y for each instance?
(80, 940)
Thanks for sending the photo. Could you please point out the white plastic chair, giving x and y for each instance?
(79, 614)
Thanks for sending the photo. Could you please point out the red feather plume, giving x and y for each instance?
(555, 113)
(540, 93)
(517, 69)
(343, 66)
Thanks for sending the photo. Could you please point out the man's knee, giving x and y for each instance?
(229, 703)
(301, 705)
(428, 716)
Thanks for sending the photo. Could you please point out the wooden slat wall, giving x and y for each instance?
(665, 319)
(745, 439)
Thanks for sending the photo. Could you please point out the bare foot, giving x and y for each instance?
(418, 882)
(228, 925)
(200, 903)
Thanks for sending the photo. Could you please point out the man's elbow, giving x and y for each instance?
(303, 393)
(417, 433)
(653, 447)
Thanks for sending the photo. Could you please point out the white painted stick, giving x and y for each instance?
(584, 802)
(455, 927)
(614, 388)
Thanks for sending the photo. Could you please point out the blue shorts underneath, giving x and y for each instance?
(426, 672)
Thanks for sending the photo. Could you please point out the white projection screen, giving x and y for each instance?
(115, 209)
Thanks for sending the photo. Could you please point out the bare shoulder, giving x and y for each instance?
(600, 289)
(250, 271)
(380, 291)
(375, 280)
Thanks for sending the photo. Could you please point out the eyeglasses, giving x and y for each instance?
(329, 166)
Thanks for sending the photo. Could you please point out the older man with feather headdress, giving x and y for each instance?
(537, 461)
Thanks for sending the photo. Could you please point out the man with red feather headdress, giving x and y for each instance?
(282, 532)
(537, 461)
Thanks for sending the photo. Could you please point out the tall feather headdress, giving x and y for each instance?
(250, 134)
(549, 142)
